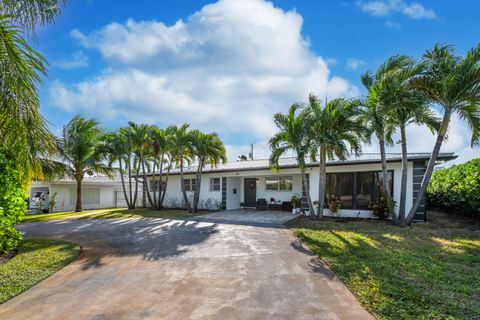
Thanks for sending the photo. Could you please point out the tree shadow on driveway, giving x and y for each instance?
(152, 239)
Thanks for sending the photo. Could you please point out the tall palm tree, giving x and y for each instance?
(408, 106)
(116, 149)
(23, 130)
(208, 149)
(292, 135)
(453, 84)
(182, 153)
(374, 113)
(80, 148)
(335, 132)
(141, 140)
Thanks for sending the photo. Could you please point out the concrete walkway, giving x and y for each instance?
(218, 267)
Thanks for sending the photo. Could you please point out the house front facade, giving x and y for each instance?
(355, 182)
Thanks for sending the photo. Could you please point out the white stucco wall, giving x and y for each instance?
(107, 194)
(236, 180)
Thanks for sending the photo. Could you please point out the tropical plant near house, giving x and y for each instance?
(405, 106)
(182, 153)
(374, 114)
(23, 130)
(81, 149)
(335, 132)
(452, 83)
(208, 149)
(292, 136)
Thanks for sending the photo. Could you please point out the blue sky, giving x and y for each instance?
(228, 66)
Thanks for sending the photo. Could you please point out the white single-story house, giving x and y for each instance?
(97, 192)
(354, 181)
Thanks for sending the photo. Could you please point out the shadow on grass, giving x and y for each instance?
(430, 273)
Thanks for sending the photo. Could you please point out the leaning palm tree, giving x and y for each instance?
(408, 106)
(208, 149)
(292, 136)
(374, 113)
(182, 153)
(453, 84)
(23, 130)
(81, 150)
(336, 132)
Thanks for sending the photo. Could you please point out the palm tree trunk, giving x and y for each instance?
(198, 182)
(431, 163)
(321, 182)
(403, 189)
(182, 186)
(132, 203)
(307, 191)
(137, 169)
(123, 184)
(160, 183)
(154, 179)
(166, 184)
(386, 181)
(145, 184)
(78, 206)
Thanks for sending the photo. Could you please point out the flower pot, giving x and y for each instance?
(294, 211)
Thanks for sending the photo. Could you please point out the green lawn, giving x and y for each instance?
(35, 261)
(420, 272)
(111, 213)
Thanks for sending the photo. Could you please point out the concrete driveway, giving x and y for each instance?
(222, 266)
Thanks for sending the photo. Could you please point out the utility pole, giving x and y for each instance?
(250, 155)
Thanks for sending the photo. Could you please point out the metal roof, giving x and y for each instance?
(290, 162)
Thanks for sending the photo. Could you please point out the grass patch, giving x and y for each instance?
(58, 215)
(420, 272)
(144, 212)
(35, 261)
(112, 213)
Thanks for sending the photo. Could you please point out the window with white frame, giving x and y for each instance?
(189, 184)
(214, 184)
(155, 184)
(280, 183)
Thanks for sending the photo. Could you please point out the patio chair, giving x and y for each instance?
(261, 204)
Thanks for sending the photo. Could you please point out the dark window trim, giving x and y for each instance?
(354, 185)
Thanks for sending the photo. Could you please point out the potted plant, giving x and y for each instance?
(242, 205)
(295, 204)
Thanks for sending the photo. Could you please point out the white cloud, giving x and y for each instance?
(381, 8)
(353, 64)
(76, 60)
(222, 69)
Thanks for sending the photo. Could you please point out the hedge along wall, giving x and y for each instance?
(457, 188)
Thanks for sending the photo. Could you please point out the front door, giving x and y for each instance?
(250, 193)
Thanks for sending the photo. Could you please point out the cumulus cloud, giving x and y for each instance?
(354, 63)
(222, 69)
(76, 60)
(381, 8)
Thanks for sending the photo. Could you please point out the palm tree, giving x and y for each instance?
(335, 132)
(292, 135)
(141, 141)
(23, 130)
(407, 106)
(116, 150)
(374, 113)
(80, 148)
(182, 153)
(452, 83)
(208, 149)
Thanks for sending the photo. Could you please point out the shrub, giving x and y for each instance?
(379, 208)
(456, 188)
(12, 204)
